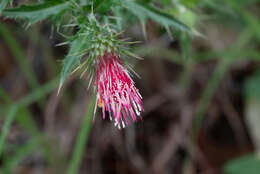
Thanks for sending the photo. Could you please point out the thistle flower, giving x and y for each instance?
(116, 91)
(96, 49)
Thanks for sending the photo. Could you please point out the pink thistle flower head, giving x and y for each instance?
(116, 91)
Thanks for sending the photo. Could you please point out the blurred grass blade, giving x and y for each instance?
(4, 96)
(208, 93)
(25, 117)
(25, 121)
(19, 55)
(7, 124)
(252, 22)
(38, 93)
(145, 11)
(82, 138)
(155, 52)
(185, 45)
(35, 13)
(21, 153)
(229, 58)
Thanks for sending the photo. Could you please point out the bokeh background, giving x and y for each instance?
(201, 95)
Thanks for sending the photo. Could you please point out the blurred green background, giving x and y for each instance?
(201, 97)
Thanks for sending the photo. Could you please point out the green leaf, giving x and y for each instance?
(190, 4)
(73, 58)
(246, 164)
(3, 4)
(145, 11)
(35, 13)
(104, 5)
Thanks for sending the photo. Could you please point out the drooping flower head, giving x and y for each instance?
(116, 91)
(96, 50)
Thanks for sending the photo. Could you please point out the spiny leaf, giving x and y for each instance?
(73, 58)
(145, 11)
(35, 13)
(3, 4)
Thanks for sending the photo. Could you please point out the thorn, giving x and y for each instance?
(133, 55)
(132, 70)
(75, 70)
(60, 85)
(92, 8)
(169, 32)
(144, 30)
(69, 25)
(61, 44)
(90, 81)
(82, 74)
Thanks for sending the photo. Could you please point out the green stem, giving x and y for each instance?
(82, 138)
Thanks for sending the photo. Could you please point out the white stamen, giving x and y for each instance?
(123, 124)
(136, 110)
(139, 107)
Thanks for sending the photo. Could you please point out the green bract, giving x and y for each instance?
(90, 43)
